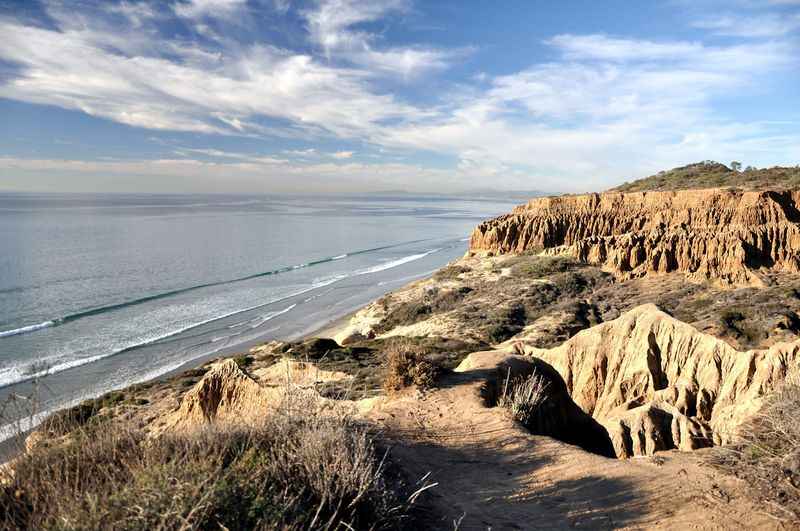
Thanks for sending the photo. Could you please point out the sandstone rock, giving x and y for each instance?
(718, 234)
(226, 394)
(657, 383)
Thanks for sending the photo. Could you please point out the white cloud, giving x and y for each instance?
(331, 27)
(203, 92)
(191, 175)
(209, 8)
(607, 108)
(602, 47)
(757, 26)
(603, 108)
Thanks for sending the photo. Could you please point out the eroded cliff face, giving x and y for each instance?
(656, 383)
(720, 235)
(228, 395)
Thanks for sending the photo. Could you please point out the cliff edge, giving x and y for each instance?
(724, 235)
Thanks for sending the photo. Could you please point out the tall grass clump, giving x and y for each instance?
(522, 396)
(289, 472)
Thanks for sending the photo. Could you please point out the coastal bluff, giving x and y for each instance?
(722, 235)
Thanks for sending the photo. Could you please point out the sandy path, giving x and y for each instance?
(498, 476)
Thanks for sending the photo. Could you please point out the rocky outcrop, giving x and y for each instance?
(228, 395)
(656, 383)
(224, 394)
(718, 234)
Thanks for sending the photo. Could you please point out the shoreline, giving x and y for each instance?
(15, 445)
(326, 330)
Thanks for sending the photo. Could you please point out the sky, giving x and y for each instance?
(259, 96)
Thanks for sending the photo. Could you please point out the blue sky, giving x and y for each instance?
(279, 95)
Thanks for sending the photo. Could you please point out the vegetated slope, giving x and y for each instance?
(710, 174)
(721, 235)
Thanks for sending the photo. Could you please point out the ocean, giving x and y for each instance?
(101, 291)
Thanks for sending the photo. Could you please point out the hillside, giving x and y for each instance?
(615, 360)
(710, 174)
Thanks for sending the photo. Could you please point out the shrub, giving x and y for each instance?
(503, 323)
(522, 396)
(766, 452)
(244, 361)
(450, 272)
(411, 312)
(291, 472)
(407, 366)
(740, 326)
(543, 266)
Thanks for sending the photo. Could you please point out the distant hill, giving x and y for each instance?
(710, 174)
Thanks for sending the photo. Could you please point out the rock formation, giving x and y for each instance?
(227, 394)
(720, 234)
(224, 394)
(656, 383)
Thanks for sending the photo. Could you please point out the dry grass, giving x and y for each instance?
(522, 396)
(767, 452)
(406, 366)
(291, 472)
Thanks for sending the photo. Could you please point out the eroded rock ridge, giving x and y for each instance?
(722, 235)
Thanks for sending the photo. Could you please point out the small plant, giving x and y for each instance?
(522, 396)
(406, 367)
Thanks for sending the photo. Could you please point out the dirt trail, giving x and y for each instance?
(496, 475)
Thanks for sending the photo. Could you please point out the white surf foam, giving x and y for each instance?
(27, 329)
(395, 263)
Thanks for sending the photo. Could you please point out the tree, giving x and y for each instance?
(736, 166)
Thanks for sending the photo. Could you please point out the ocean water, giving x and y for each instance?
(98, 292)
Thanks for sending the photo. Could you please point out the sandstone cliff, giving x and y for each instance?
(719, 234)
(656, 383)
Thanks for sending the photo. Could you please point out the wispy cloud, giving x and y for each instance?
(191, 89)
(607, 106)
(757, 26)
(599, 106)
(182, 174)
(331, 26)
(206, 8)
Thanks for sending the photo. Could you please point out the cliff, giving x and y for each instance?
(656, 383)
(722, 235)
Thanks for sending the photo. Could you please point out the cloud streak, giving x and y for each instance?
(600, 105)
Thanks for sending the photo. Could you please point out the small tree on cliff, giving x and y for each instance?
(736, 166)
